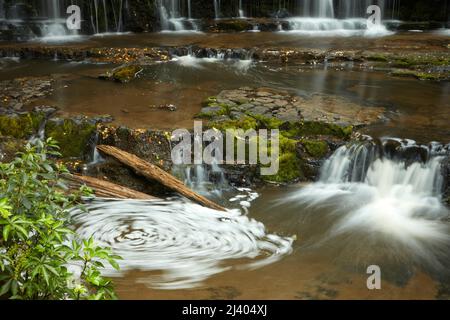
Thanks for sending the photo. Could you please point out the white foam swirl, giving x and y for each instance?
(185, 241)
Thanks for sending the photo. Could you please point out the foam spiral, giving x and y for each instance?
(187, 243)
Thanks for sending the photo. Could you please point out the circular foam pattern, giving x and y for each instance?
(185, 241)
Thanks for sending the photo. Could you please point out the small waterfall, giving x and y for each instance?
(391, 163)
(189, 10)
(100, 14)
(239, 59)
(54, 27)
(241, 10)
(95, 157)
(174, 18)
(357, 8)
(390, 189)
(348, 18)
(217, 13)
(205, 179)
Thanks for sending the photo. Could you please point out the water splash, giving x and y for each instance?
(186, 242)
(385, 191)
(173, 18)
(328, 27)
(241, 61)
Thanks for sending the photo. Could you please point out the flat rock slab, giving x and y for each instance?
(287, 107)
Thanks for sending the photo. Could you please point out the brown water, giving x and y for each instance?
(419, 110)
(314, 270)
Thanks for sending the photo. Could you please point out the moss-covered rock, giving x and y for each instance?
(431, 76)
(72, 136)
(290, 165)
(122, 74)
(316, 148)
(9, 147)
(21, 126)
(318, 128)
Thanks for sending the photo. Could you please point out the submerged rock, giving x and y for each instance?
(18, 93)
(122, 74)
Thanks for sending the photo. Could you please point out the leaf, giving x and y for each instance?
(6, 231)
(5, 288)
(45, 274)
(48, 167)
(114, 264)
(14, 287)
(52, 270)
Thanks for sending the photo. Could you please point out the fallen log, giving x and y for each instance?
(153, 172)
(107, 189)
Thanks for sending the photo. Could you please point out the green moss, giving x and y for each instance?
(267, 122)
(316, 128)
(378, 57)
(290, 165)
(72, 138)
(316, 148)
(125, 74)
(432, 76)
(290, 169)
(411, 61)
(20, 126)
(208, 101)
(244, 123)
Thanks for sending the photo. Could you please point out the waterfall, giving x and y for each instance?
(241, 10)
(395, 162)
(323, 9)
(319, 17)
(357, 8)
(217, 9)
(105, 9)
(95, 19)
(189, 10)
(208, 180)
(172, 17)
(388, 188)
(117, 17)
(95, 157)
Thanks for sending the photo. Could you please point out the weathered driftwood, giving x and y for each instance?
(108, 189)
(154, 173)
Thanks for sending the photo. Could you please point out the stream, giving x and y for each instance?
(377, 201)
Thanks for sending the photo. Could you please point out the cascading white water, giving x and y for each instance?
(318, 18)
(208, 180)
(382, 192)
(241, 10)
(217, 13)
(189, 10)
(173, 18)
(241, 62)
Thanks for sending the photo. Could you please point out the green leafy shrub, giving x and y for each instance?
(37, 244)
